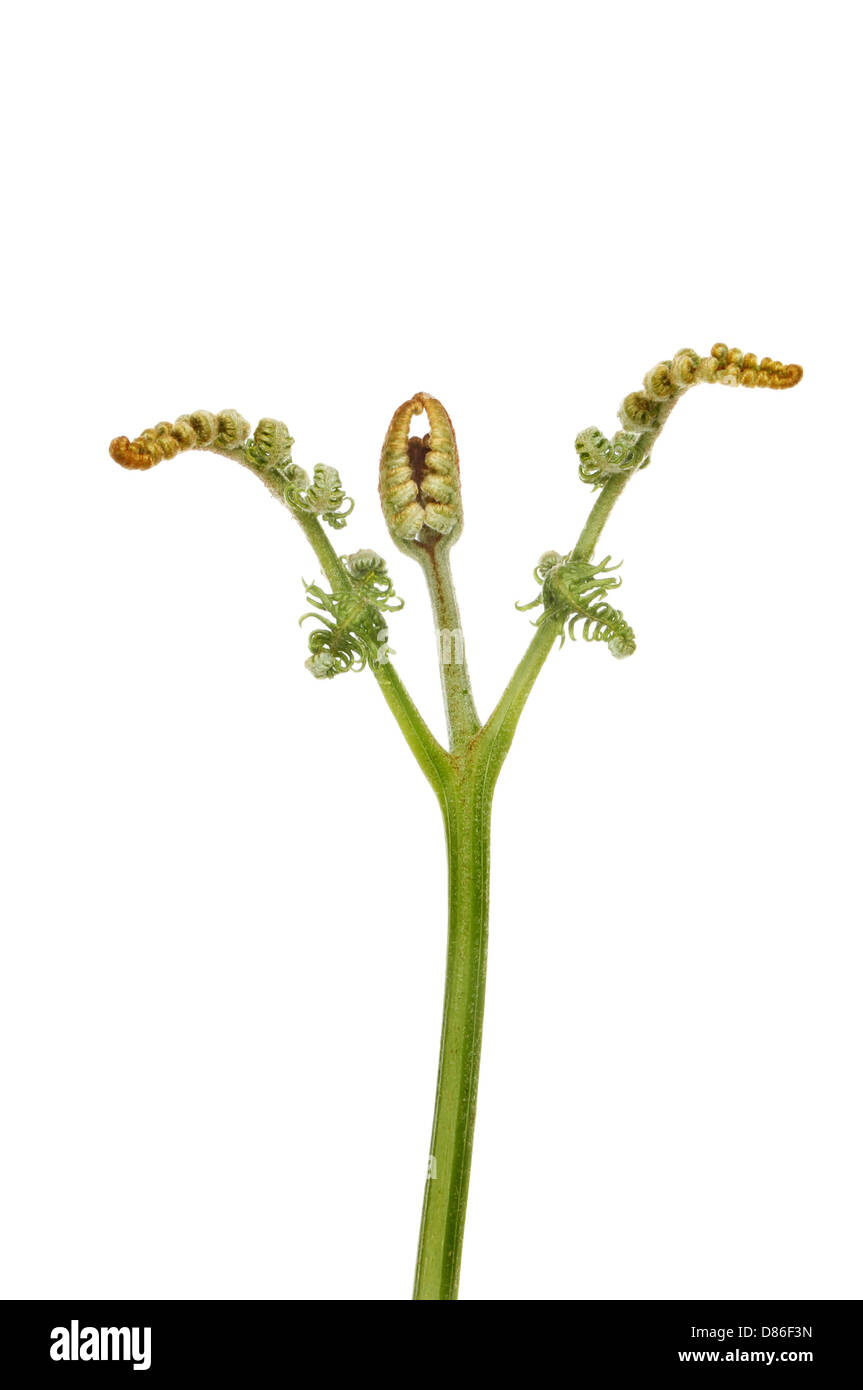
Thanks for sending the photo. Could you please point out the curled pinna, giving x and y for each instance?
(575, 591)
(334, 646)
(324, 496)
(600, 458)
(368, 570)
(271, 445)
(353, 630)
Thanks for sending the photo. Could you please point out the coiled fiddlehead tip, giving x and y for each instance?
(324, 496)
(364, 563)
(622, 643)
(200, 430)
(658, 385)
(420, 487)
(546, 563)
(732, 367)
(233, 430)
(320, 664)
(267, 453)
(271, 444)
(643, 413)
(129, 455)
(368, 570)
(600, 458)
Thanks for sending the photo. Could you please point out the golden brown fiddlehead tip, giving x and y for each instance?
(419, 477)
(644, 413)
(731, 367)
(200, 430)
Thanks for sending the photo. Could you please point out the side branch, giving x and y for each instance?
(432, 758)
(599, 514)
(497, 735)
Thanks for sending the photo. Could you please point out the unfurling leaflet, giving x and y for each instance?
(599, 457)
(575, 591)
(323, 496)
(353, 631)
(271, 445)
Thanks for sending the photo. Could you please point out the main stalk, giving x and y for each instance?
(467, 814)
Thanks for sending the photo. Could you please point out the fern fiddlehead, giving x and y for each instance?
(419, 484)
(353, 631)
(644, 413)
(267, 453)
(224, 432)
(574, 592)
(419, 477)
(600, 458)
(324, 496)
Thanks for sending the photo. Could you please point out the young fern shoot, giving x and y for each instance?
(421, 500)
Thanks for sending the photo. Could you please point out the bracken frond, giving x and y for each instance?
(267, 453)
(643, 413)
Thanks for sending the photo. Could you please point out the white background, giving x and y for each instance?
(223, 925)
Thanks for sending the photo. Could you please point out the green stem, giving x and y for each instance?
(499, 732)
(432, 758)
(461, 716)
(323, 548)
(467, 816)
(496, 738)
(599, 514)
(464, 782)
